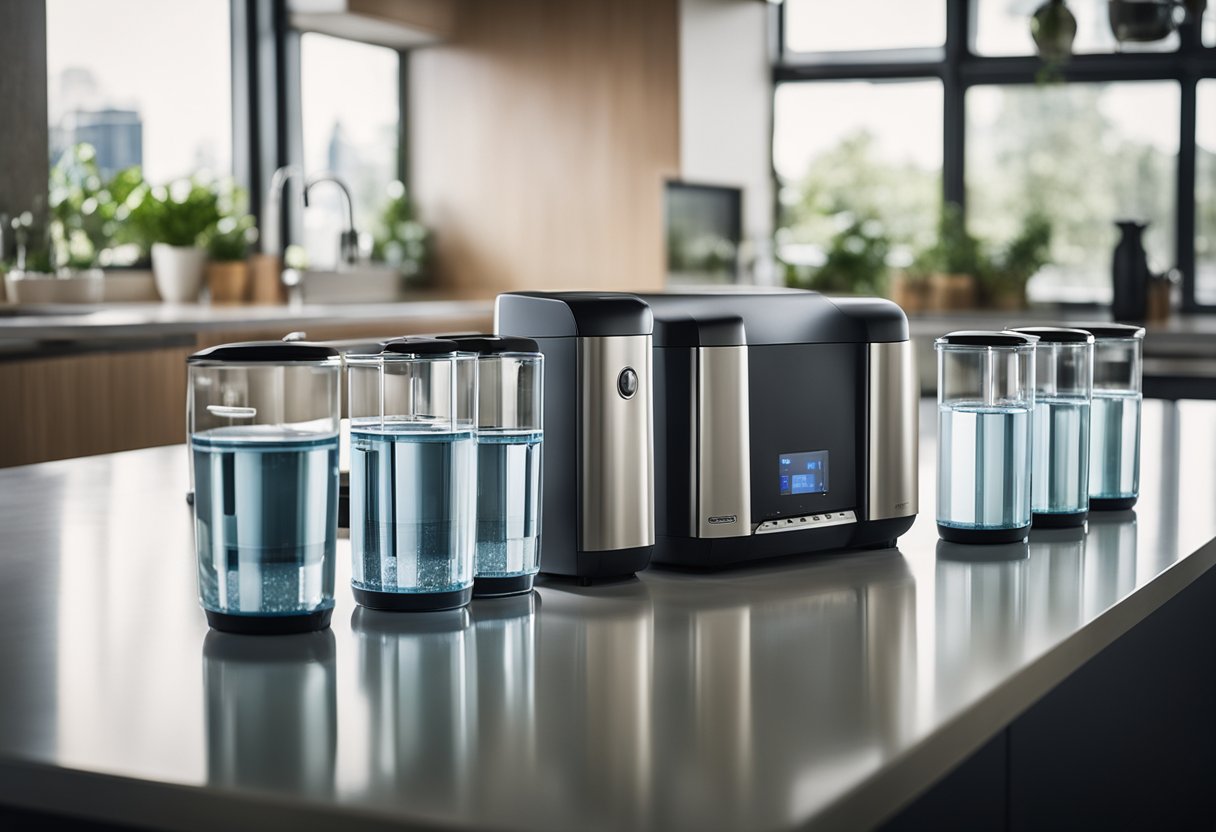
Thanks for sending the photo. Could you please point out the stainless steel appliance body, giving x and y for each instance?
(785, 422)
(598, 516)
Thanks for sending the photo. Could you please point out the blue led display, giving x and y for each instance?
(804, 473)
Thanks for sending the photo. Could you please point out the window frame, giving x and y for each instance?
(959, 68)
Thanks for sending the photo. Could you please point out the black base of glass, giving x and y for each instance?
(494, 587)
(1111, 503)
(413, 601)
(1059, 521)
(269, 625)
(982, 536)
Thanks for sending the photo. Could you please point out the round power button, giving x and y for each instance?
(627, 383)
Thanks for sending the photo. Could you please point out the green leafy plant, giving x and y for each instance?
(87, 214)
(1020, 259)
(955, 251)
(398, 238)
(183, 214)
(856, 258)
(232, 238)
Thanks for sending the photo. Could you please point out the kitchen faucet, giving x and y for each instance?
(348, 242)
(272, 222)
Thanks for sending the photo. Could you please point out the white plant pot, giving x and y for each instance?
(129, 286)
(38, 287)
(178, 271)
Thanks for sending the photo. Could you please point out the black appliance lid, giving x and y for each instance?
(1111, 330)
(1057, 334)
(492, 344)
(269, 352)
(984, 338)
(572, 314)
(421, 345)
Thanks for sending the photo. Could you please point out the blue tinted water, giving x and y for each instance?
(983, 466)
(1061, 456)
(508, 503)
(265, 505)
(1115, 445)
(412, 501)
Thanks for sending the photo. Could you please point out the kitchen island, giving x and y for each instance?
(824, 692)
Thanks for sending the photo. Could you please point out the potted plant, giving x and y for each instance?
(1003, 286)
(856, 258)
(175, 221)
(399, 240)
(952, 263)
(228, 269)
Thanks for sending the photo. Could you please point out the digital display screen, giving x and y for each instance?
(804, 473)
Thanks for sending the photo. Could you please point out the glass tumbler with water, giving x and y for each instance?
(413, 475)
(263, 433)
(510, 394)
(1114, 439)
(1064, 362)
(985, 398)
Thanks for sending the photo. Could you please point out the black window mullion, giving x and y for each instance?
(954, 128)
(1185, 211)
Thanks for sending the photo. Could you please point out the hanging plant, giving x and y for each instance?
(1053, 29)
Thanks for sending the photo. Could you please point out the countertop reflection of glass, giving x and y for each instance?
(774, 696)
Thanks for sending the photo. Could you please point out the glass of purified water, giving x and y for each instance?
(413, 475)
(985, 401)
(1064, 364)
(263, 434)
(1114, 443)
(510, 395)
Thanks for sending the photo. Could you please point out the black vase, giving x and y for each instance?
(1130, 274)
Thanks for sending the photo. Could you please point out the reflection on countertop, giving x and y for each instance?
(788, 694)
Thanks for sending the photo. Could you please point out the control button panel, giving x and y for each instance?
(810, 521)
(627, 383)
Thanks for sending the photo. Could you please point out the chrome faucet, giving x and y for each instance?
(272, 221)
(348, 242)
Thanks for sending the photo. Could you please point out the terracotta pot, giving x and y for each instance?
(267, 279)
(907, 292)
(228, 282)
(948, 292)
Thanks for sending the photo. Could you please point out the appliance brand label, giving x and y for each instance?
(718, 519)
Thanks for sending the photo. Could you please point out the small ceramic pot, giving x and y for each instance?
(178, 271)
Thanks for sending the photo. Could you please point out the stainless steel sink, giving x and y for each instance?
(361, 284)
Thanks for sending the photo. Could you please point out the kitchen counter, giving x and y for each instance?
(116, 326)
(822, 692)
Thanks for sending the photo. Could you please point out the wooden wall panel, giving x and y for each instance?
(541, 136)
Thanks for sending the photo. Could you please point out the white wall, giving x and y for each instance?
(726, 105)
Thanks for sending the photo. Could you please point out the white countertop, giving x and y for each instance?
(821, 692)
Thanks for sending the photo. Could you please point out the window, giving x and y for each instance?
(1085, 155)
(856, 150)
(146, 82)
(1205, 192)
(350, 108)
(1099, 138)
(834, 26)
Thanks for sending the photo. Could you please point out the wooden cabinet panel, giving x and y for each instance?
(54, 408)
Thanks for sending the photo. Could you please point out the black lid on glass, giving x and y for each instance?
(1056, 334)
(1111, 330)
(269, 352)
(983, 338)
(493, 344)
(421, 345)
